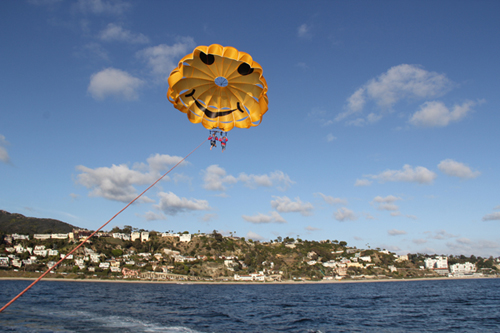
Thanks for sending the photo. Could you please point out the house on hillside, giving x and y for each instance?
(438, 264)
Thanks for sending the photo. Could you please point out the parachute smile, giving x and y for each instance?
(212, 114)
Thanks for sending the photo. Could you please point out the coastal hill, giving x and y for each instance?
(13, 223)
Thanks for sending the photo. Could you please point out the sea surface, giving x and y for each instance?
(467, 305)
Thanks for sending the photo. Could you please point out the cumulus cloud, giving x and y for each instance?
(395, 232)
(254, 236)
(481, 247)
(216, 177)
(457, 169)
(362, 182)
(345, 214)
(331, 200)
(286, 205)
(440, 234)
(162, 58)
(114, 82)
(387, 203)
(398, 83)
(117, 182)
(418, 174)
(330, 137)
(260, 218)
(171, 204)
(492, 217)
(112, 7)
(387, 199)
(436, 114)
(208, 217)
(304, 31)
(152, 216)
(114, 32)
(4, 155)
(277, 178)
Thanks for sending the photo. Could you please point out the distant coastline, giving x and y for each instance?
(302, 282)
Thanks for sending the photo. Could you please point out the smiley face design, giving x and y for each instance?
(219, 87)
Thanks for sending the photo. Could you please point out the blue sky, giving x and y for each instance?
(382, 127)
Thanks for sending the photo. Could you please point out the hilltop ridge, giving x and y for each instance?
(11, 223)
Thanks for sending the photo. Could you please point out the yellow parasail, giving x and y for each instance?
(219, 87)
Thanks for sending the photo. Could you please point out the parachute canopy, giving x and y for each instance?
(219, 87)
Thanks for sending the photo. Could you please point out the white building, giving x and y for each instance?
(144, 236)
(465, 268)
(20, 237)
(41, 236)
(185, 238)
(436, 263)
(252, 277)
(135, 235)
(59, 236)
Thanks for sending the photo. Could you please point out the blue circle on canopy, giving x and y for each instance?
(221, 81)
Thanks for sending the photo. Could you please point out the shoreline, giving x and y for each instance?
(247, 282)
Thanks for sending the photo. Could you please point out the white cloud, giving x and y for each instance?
(345, 214)
(114, 82)
(457, 169)
(115, 32)
(478, 247)
(286, 205)
(395, 232)
(399, 82)
(208, 217)
(357, 101)
(331, 200)
(309, 228)
(492, 217)
(419, 241)
(362, 182)
(440, 234)
(260, 218)
(4, 155)
(114, 183)
(113, 7)
(330, 137)
(277, 178)
(304, 31)
(436, 114)
(215, 178)
(158, 163)
(418, 174)
(162, 59)
(152, 216)
(387, 199)
(117, 182)
(254, 236)
(171, 204)
(387, 203)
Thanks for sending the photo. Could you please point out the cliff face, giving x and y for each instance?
(11, 223)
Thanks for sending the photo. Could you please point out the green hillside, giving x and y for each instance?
(11, 223)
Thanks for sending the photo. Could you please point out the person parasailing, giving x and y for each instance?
(213, 139)
(223, 142)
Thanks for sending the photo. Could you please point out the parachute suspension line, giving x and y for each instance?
(86, 239)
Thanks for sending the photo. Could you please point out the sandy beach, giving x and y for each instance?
(247, 282)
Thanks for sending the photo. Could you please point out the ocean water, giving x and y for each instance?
(468, 305)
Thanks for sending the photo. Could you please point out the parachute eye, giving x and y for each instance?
(207, 59)
(245, 69)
